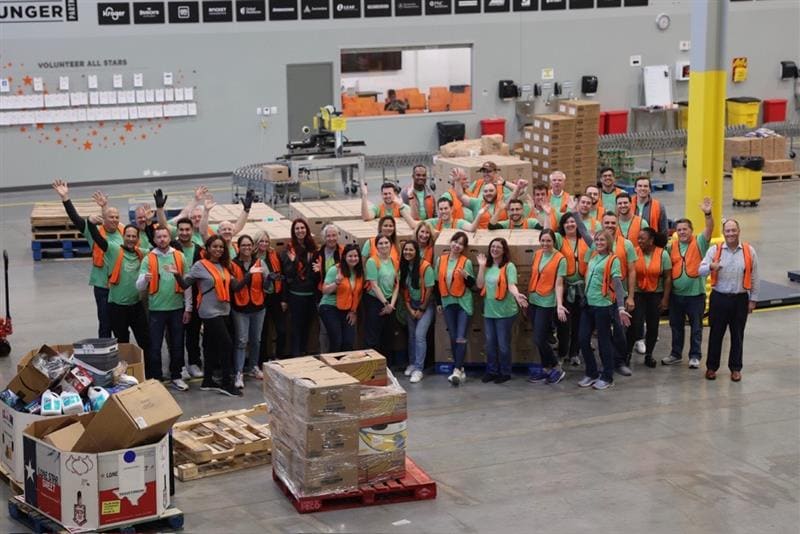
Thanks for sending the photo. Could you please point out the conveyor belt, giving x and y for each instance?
(773, 295)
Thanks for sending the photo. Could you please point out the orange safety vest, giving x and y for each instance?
(319, 262)
(424, 265)
(634, 228)
(373, 252)
(564, 200)
(617, 191)
(569, 253)
(477, 188)
(523, 226)
(607, 288)
(97, 252)
(254, 293)
(647, 275)
(655, 212)
(483, 222)
(382, 210)
(621, 253)
(502, 285)
(275, 266)
(544, 282)
(429, 207)
(348, 297)
(747, 281)
(222, 283)
(427, 254)
(116, 271)
(457, 286)
(153, 265)
(689, 262)
(457, 212)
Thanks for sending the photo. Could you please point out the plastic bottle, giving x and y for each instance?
(97, 397)
(51, 403)
(71, 403)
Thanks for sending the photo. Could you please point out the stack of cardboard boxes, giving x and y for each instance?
(587, 120)
(331, 431)
(549, 144)
(772, 149)
(318, 213)
(509, 167)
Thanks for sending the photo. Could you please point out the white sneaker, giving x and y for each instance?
(239, 381)
(185, 373)
(602, 384)
(416, 376)
(455, 377)
(463, 375)
(409, 370)
(195, 371)
(694, 363)
(640, 347)
(586, 382)
(256, 373)
(179, 384)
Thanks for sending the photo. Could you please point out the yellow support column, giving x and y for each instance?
(706, 134)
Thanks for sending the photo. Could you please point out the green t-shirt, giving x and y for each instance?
(666, 265)
(468, 215)
(457, 224)
(423, 211)
(384, 276)
(548, 301)
(533, 224)
(576, 276)
(428, 280)
(98, 277)
(475, 205)
(376, 210)
(465, 300)
(330, 277)
(630, 255)
(166, 298)
(684, 285)
(592, 225)
(609, 200)
(594, 280)
(123, 293)
(144, 243)
(624, 226)
(555, 201)
(499, 309)
(188, 251)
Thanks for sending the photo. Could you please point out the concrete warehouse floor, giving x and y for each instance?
(665, 451)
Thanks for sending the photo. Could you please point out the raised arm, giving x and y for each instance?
(706, 206)
(480, 281)
(161, 200)
(208, 205)
(247, 203)
(62, 189)
(366, 213)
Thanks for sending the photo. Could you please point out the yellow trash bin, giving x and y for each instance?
(743, 110)
(683, 115)
(747, 174)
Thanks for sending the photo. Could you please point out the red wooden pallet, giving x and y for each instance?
(416, 485)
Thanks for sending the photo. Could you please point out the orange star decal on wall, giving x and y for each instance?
(128, 127)
(87, 145)
(27, 80)
(39, 126)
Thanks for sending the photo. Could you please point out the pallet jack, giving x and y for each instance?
(5, 323)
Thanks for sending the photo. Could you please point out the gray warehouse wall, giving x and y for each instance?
(237, 67)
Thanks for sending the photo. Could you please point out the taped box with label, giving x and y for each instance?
(383, 404)
(88, 491)
(382, 452)
(323, 475)
(366, 366)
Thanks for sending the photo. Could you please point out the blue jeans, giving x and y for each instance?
(103, 312)
(418, 338)
(248, 338)
(498, 345)
(457, 322)
(681, 307)
(160, 321)
(542, 323)
(341, 334)
(600, 317)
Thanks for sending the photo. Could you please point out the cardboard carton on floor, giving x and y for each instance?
(314, 476)
(129, 353)
(382, 404)
(93, 490)
(314, 438)
(366, 366)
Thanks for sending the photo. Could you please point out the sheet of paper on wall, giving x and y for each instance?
(138, 79)
(115, 114)
(158, 111)
(144, 112)
(103, 98)
(179, 94)
(116, 81)
(26, 117)
(130, 96)
(91, 114)
(5, 102)
(192, 109)
(38, 84)
(82, 114)
(188, 93)
(112, 97)
(63, 83)
(149, 95)
(133, 113)
(5, 85)
(122, 97)
(5, 119)
(56, 100)
(123, 113)
(94, 98)
(79, 98)
(167, 78)
(91, 81)
(140, 96)
(169, 94)
(159, 95)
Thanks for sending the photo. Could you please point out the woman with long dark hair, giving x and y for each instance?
(248, 309)
(380, 300)
(341, 296)
(653, 286)
(497, 280)
(387, 226)
(416, 283)
(274, 301)
(296, 266)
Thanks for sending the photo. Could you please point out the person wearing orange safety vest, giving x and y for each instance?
(546, 303)
(274, 303)
(608, 190)
(648, 208)
(247, 310)
(735, 284)
(111, 230)
(517, 219)
(653, 286)
(454, 278)
(484, 207)
(424, 235)
(416, 286)
(604, 300)
(342, 289)
(559, 199)
(169, 305)
(497, 280)
(328, 255)
(447, 218)
(391, 205)
(596, 211)
(490, 176)
(459, 211)
(380, 298)
(688, 297)
(628, 223)
(418, 196)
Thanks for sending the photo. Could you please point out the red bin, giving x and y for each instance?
(493, 126)
(602, 127)
(617, 121)
(774, 110)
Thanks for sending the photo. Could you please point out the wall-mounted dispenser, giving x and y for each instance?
(788, 70)
(537, 90)
(556, 89)
(589, 85)
(507, 90)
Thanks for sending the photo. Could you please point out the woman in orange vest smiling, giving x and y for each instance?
(497, 280)
(424, 238)
(380, 301)
(274, 301)
(341, 295)
(416, 283)
(296, 266)
(388, 227)
(247, 309)
(546, 298)
(215, 284)
(454, 277)
(653, 285)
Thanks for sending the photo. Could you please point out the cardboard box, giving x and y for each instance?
(780, 147)
(579, 108)
(366, 366)
(315, 438)
(29, 383)
(128, 352)
(779, 166)
(756, 146)
(382, 404)
(276, 173)
(135, 416)
(381, 466)
(522, 245)
(90, 491)
(735, 146)
(314, 476)
(552, 123)
(279, 376)
(309, 392)
(768, 148)
(358, 232)
(12, 426)
(382, 451)
(65, 438)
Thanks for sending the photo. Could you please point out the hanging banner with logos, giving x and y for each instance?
(218, 11)
(468, 6)
(346, 9)
(251, 10)
(148, 13)
(113, 13)
(526, 5)
(552, 5)
(609, 3)
(315, 9)
(438, 7)
(377, 8)
(496, 6)
(15, 11)
(183, 12)
(282, 9)
(407, 8)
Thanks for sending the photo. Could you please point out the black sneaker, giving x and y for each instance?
(502, 378)
(208, 385)
(649, 361)
(230, 390)
(488, 378)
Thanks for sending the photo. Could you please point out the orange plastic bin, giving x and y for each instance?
(493, 126)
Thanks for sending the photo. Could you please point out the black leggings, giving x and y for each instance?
(276, 318)
(131, 317)
(377, 328)
(302, 308)
(219, 332)
(568, 343)
(646, 313)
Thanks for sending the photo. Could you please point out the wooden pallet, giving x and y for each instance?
(416, 485)
(221, 442)
(66, 248)
(15, 487)
(53, 214)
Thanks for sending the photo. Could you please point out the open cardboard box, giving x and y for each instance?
(128, 352)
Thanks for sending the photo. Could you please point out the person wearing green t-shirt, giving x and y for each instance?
(628, 223)
(608, 190)
(391, 205)
(226, 229)
(653, 285)
(193, 211)
(341, 295)
(380, 298)
(582, 209)
(445, 219)
(497, 280)
(454, 279)
(517, 218)
(546, 299)
(418, 196)
(416, 285)
(603, 288)
(688, 297)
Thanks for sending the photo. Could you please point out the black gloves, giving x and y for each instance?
(160, 198)
(247, 201)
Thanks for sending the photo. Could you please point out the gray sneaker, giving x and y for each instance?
(602, 384)
(694, 363)
(586, 382)
(671, 360)
(623, 370)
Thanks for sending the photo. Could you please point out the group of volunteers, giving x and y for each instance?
(604, 268)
